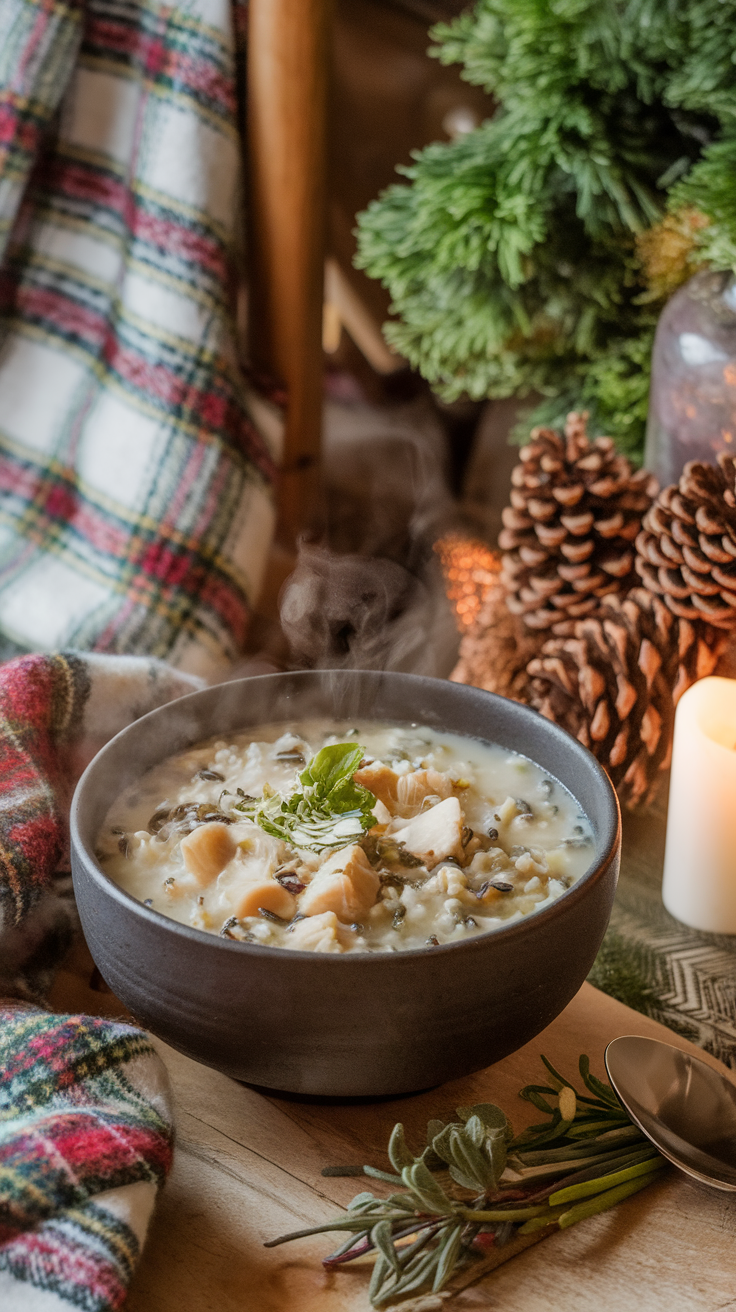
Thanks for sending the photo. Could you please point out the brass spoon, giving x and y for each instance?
(686, 1108)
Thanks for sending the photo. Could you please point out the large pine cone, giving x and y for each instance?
(687, 546)
(616, 682)
(568, 535)
(495, 650)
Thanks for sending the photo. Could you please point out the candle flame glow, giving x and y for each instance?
(470, 568)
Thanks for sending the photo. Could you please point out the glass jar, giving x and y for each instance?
(692, 399)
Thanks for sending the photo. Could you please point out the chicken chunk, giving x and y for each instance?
(346, 883)
(380, 780)
(316, 934)
(207, 850)
(435, 834)
(411, 789)
(270, 895)
(382, 814)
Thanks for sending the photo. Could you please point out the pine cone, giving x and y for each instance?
(495, 650)
(615, 684)
(568, 536)
(687, 546)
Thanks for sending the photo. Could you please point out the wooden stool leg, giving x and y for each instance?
(288, 59)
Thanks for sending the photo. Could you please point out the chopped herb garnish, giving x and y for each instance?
(330, 811)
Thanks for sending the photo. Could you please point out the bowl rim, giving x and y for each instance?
(610, 839)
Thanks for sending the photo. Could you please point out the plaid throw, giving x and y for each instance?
(85, 1142)
(135, 499)
(85, 1120)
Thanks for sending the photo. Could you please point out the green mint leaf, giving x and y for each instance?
(331, 812)
(331, 765)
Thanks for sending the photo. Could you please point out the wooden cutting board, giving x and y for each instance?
(248, 1167)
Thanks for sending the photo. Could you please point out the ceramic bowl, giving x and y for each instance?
(364, 1023)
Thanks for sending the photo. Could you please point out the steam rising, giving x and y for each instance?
(361, 612)
(368, 594)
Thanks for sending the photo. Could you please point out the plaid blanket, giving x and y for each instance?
(85, 1116)
(135, 490)
(85, 1143)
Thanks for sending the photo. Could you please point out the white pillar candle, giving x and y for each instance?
(699, 885)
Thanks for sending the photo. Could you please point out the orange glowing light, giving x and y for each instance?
(470, 568)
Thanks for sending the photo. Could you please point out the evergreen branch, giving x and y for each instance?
(510, 255)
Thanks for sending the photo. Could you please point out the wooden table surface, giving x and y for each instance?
(248, 1168)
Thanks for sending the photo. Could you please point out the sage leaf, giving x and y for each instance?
(375, 1174)
(493, 1117)
(360, 1201)
(449, 1249)
(401, 1200)
(442, 1144)
(476, 1131)
(471, 1162)
(399, 1154)
(381, 1270)
(431, 1159)
(381, 1239)
(430, 1193)
(416, 1274)
(492, 1143)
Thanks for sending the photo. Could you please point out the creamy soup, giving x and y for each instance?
(357, 838)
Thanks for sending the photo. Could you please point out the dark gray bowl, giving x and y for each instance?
(361, 1024)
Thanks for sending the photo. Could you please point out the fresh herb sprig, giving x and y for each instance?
(585, 1158)
(330, 811)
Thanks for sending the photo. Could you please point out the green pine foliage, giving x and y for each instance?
(511, 255)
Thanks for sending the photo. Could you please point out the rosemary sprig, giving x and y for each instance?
(330, 811)
(593, 1157)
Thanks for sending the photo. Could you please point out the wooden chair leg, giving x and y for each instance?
(288, 60)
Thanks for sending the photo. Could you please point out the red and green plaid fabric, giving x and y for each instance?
(85, 1143)
(55, 712)
(135, 489)
(85, 1120)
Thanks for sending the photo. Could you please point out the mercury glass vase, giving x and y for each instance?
(692, 400)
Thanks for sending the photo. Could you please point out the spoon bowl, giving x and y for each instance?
(686, 1108)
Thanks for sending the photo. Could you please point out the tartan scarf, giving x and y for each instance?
(85, 1115)
(135, 489)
